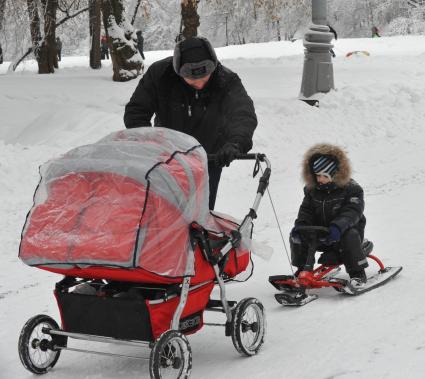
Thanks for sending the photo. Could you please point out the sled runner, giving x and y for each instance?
(357, 53)
(294, 290)
(126, 220)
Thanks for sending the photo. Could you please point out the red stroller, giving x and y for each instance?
(126, 221)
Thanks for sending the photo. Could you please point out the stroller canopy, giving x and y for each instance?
(126, 202)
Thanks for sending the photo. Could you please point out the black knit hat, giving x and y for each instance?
(193, 50)
(194, 58)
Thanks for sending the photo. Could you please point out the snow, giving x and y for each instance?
(377, 113)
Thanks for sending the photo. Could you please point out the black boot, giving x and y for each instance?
(297, 273)
(358, 278)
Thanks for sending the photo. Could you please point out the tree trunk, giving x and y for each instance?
(48, 47)
(34, 27)
(94, 24)
(44, 49)
(190, 18)
(278, 30)
(2, 8)
(126, 60)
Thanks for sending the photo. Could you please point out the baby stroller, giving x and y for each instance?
(126, 221)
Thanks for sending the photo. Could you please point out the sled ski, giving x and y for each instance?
(295, 297)
(375, 281)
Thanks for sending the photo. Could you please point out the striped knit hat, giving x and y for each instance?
(325, 165)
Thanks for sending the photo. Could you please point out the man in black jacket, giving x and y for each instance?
(140, 41)
(334, 200)
(193, 93)
(59, 48)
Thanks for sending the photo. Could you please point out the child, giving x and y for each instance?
(334, 200)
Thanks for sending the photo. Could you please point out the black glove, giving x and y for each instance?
(295, 236)
(227, 154)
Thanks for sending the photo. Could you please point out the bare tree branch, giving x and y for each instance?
(71, 16)
(15, 65)
(135, 11)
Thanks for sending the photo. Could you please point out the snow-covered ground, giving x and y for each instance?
(377, 114)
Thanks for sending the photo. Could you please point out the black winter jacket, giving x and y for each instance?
(221, 112)
(342, 207)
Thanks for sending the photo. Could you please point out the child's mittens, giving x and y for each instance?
(334, 234)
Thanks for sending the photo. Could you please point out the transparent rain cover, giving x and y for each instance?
(126, 201)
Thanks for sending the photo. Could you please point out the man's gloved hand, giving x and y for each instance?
(334, 235)
(227, 154)
(295, 236)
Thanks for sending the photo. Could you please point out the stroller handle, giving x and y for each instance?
(262, 187)
(241, 157)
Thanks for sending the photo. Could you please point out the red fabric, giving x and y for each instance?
(92, 218)
(203, 269)
(163, 252)
(86, 217)
(161, 314)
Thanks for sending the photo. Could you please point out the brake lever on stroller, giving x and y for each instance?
(236, 238)
(200, 235)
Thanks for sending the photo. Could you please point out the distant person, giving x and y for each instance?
(104, 49)
(140, 40)
(59, 48)
(375, 32)
(333, 31)
(191, 92)
(1, 55)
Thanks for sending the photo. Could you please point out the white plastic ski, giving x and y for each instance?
(373, 282)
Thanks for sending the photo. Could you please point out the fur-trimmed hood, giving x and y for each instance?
(342, 176)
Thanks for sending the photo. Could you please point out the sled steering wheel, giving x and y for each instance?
(312, 234)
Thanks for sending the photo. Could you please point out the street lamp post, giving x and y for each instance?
(318, 77)
(227, 35)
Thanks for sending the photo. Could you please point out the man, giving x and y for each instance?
(193, 93)
(59, 48)
(375, 32)
(1, 55)
(104, 48)
(333, 31)
(140, 41)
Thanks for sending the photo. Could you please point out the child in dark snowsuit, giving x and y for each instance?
(334, 200)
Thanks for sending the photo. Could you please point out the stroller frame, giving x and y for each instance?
(170, 350)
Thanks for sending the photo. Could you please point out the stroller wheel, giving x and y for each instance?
(171, 356)
(35, 346)
(248, 326)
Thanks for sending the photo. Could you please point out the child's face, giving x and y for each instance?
(323, 179)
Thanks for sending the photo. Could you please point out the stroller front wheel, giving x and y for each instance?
(248, 326)
(171, 356)
(35, 346)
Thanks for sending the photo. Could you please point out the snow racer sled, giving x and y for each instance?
(293, 290)
(126, 221)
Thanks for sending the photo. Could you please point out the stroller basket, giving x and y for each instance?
(127, 310)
